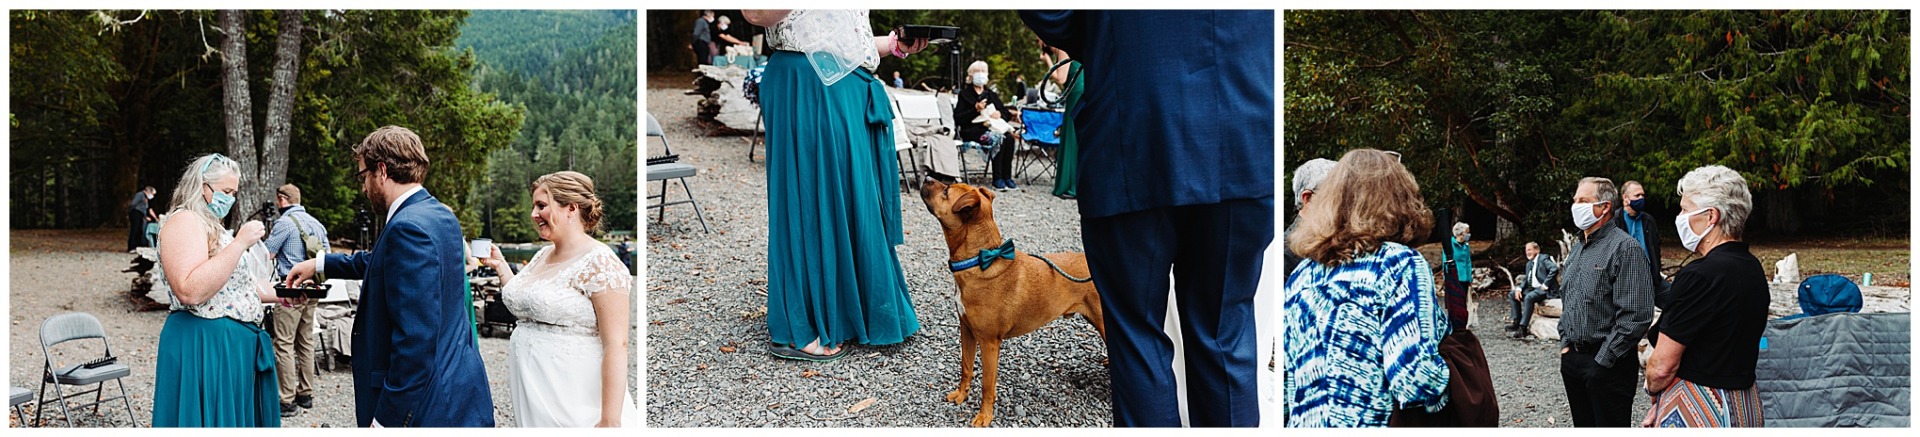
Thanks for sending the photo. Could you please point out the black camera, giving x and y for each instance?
(267, 214)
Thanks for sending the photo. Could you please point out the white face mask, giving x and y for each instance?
(1583, 217)
(980, 79)
(1687, 238)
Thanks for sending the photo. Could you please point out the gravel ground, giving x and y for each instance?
(55, 272)
(707, 359)
(1526, 373)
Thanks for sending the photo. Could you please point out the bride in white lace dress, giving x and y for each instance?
(569, 352)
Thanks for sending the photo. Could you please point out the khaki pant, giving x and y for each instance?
(293, 333)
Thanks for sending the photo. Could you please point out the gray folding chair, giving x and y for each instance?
(668, 171)
(20, 397)
(79, 326)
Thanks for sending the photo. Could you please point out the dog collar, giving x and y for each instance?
(986, 257)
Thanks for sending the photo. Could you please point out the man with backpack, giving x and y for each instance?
(296, 237)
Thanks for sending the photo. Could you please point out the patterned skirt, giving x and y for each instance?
(1690, 405)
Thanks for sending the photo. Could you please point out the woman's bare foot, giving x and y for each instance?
(816, 349)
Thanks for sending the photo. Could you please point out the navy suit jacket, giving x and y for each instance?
(415, 360)
(1178, 108)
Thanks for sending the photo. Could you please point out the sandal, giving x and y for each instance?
(788, 352)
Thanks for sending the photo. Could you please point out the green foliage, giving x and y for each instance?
(1506, 110)
(360, 70)
(574, 73)
(377, 68)
(61, 111)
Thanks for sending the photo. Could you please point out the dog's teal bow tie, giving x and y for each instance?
(986, 258)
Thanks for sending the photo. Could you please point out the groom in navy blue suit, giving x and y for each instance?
(1176, 175)
(416, 362)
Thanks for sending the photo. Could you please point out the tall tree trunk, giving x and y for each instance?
(279, 123)
(237, 100)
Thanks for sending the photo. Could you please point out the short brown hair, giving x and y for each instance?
(292, 193)
(1366, 200)
(576, 190)
(399, 148)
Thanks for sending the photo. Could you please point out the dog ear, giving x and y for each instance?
(989, 193)
(967, 203)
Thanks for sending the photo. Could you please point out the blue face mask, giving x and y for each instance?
(1638, 205)
(222, 203)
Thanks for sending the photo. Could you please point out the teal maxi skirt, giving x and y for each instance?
(214, 373)
(833, 209)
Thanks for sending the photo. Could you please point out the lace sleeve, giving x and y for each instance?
(602, 272)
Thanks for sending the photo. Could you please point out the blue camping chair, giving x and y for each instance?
(1041, 135)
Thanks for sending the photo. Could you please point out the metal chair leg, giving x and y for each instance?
(40, 403)
(135, 420)
(696, 205)
(758, 134)
(662, 217)
(64, 412)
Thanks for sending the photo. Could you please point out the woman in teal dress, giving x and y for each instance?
(833, 215)
(215, 363)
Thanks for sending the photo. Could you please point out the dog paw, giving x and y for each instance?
(958, 397)
(983, 419)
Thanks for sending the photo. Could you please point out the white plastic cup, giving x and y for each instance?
(481, 247)
(1868, 280)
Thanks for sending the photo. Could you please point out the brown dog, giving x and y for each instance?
(1009, 297)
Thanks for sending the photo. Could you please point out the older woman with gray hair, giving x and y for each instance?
(1702, 370)
(1306, 178)
(1462, 255)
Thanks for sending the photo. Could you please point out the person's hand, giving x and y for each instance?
(1648, 422)
(494, 259)
(608, 422)
(911, 46)
(1563, 351)
(302, 273)
(250, 233)
(980, 106)
(1516, 295)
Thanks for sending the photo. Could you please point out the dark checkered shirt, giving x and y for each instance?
(1608, 296)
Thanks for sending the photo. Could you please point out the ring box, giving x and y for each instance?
(316, 292)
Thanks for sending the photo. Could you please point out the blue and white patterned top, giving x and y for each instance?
(1363, 339)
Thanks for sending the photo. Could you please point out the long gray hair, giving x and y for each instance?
(202, 171)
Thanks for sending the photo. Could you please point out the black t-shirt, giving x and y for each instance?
(1719, 310)
(963, 112)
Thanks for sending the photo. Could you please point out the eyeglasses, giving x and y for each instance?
(362, 173)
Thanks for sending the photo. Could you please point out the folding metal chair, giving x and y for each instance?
(20, 397)
(79, 326)
(667, 171)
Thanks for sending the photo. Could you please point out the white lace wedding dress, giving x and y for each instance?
(556, 352)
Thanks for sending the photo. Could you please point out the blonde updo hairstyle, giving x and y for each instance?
(571, 188)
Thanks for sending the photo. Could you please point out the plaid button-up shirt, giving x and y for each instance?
(1608, 296)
